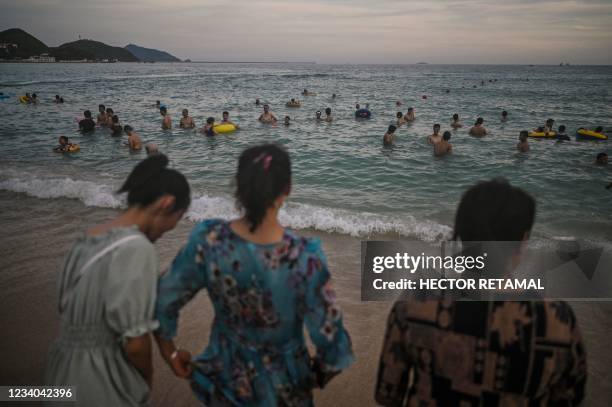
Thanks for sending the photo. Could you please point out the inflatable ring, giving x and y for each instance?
(542, 134)
(23, 99)
(363, 114)
(297, 104)
(584, 134)
(224, 128)
(73, 148)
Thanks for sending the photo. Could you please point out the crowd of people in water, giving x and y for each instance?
(440, 142)
(268, 284)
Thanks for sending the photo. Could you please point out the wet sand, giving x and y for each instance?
(35, 235)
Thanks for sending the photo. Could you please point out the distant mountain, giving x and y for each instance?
(27, 45)
(93, 50)
(150, 54)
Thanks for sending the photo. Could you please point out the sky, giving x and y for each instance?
(333, 31)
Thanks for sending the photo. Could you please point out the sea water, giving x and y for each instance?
(343, 179)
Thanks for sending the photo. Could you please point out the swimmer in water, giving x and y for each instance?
(57, 99)
(398, 103)
(157, 104)
(561, 135)
(444, 146)
(523, 145)
(435, 138)
(64, 146)
(293, 103)
(133, 141)
(209, 128)
(400, 119)
(116, 128)
(34, 98)
(478, 129)
(389, 137)
(504, 116)
(409, 116)
(226, 120)
(267, 117)
(601, 159)
(307, 93)
(287, 121)
(109, 117)
(101, 120)
(186, 121)
(455, 123)
(166, 120)
(328, 116)
(257, 102)
(87, 124)
(548, 126)
(318, 116)
(334, 96)
(151, 149)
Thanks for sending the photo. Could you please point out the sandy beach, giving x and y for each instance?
(36, 235)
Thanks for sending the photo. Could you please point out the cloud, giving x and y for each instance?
(393, 31)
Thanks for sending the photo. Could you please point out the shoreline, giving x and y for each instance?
(37, 234)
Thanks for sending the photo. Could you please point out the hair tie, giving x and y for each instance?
(267, 159)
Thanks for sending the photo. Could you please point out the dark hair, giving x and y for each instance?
(226, 112)
(264, 173)
(101, 107)
(163, 109)
(504, 113)
(87, 114)
(33, 95)
(598, 129)
(391, 129)
(455, 116)
(523, 134)
(127, 128)
(109, 110)
(410, 108)
(436, 125)
(115, 119)
(599, 155)
(494, 211)
(210, 120)
(480, 120)
(57, 96)
(328, 110)
(561, 128)
(550, 121)
(447, 135)
(64, 138)
(357, 106)
(150, 179)
(399, 114)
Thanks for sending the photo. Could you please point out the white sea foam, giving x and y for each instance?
(294, 215)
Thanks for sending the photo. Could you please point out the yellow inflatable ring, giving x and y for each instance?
(584, 134)
(541, 134)
(23, 99)
(73, 148)
(296, 104)
(224, 128)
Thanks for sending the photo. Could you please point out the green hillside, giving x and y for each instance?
(89, 49)
(27, 45)
(150, 54)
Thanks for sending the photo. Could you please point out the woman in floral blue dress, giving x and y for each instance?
(265, 283)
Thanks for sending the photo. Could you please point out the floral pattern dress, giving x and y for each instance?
(263, 296)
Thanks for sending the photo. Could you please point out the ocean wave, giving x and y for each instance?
(294, 215)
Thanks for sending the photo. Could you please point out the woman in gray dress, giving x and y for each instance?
(107, 293)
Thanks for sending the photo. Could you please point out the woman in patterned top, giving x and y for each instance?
(478, 353)
(265, 283)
